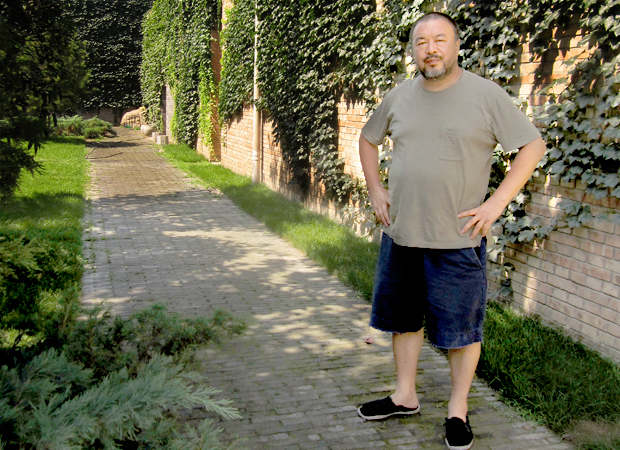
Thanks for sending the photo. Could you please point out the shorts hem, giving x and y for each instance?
(460, 342)
(379, 325)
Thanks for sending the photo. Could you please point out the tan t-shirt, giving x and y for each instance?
(443, 148)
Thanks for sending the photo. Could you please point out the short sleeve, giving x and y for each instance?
(512, 128)
(376, 128)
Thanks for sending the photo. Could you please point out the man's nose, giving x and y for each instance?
(431, 48)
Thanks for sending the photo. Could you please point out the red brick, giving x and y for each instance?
(565, 239)
(597, 236)
(613, 240)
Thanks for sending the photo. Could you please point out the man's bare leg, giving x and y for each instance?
(463, 363)
(407, 348)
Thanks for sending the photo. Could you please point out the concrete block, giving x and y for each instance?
(147, 129)
(154, 135)
(162, 139)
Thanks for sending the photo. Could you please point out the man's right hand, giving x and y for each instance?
(380, 201)
(379, 196)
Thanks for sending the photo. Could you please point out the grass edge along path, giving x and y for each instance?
(546, 375)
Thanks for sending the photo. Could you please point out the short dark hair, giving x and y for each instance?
(434, 14)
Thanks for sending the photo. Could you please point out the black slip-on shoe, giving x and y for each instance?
(458, 434)
(384, 408)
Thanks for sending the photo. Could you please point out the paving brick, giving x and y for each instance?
(301, 369)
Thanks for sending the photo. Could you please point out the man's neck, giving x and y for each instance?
(443, 84)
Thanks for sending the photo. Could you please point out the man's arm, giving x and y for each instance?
(379, 196)
(485, 215)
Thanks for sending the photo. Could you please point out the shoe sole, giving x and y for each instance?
(459, 447)
(385, 416)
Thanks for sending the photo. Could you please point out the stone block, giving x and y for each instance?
(162, 139)
(154, 135)
(147, 129)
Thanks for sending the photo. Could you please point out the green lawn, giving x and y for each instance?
(543, 373)
(41, 246)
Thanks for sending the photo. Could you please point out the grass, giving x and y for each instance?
(51, 205)
(546, 375)
(41, 241)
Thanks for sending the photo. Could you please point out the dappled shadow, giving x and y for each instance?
(303, 365)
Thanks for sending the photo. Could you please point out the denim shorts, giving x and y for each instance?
(443, 290)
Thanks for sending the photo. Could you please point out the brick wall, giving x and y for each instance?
(236, 154)
(572, 278)
(537, 73)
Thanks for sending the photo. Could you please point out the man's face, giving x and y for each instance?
(435, 48)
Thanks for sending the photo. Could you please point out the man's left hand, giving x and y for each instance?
(483, 218)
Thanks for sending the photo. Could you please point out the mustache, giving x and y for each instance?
(429, 58)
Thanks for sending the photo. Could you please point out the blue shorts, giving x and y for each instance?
(447, 287)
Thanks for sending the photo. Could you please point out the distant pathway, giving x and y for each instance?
(303, 366)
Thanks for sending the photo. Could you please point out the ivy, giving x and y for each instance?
(177, 52)
(581, 123)
(112, 32)
(236, 87)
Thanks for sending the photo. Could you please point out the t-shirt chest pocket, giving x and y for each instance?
(453, 144)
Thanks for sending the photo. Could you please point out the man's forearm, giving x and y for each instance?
(520, 171)
(369, 157)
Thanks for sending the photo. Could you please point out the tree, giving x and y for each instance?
(112, 32)
(42, 72)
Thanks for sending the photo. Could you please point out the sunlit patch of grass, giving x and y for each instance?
(547, 374)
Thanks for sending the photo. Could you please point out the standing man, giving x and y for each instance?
(432, 265)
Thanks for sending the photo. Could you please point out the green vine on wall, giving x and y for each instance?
(177, 52)
(112, 32)
(236, 87)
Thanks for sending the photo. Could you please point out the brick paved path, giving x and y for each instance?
(303, 366)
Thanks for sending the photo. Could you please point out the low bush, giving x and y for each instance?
(77, 126)
(118, 383)
(36, 277)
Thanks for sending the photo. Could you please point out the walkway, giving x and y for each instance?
(298, 373)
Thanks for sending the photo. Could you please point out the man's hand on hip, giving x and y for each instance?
(483, 217)
(380, 201)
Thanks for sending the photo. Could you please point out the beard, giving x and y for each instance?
(438, 74)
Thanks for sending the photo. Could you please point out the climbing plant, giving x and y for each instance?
(176, 51)
(236, 87)
(305, 52)
(112, 33)
(306, 62)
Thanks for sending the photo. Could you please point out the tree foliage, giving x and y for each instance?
(41, 74)
(112, 32)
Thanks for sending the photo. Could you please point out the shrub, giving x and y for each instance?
(104, 345)
(113, 384)
(77, 126)
(39, 293)
(53, 402)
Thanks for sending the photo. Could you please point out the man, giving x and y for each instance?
(444, 125)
